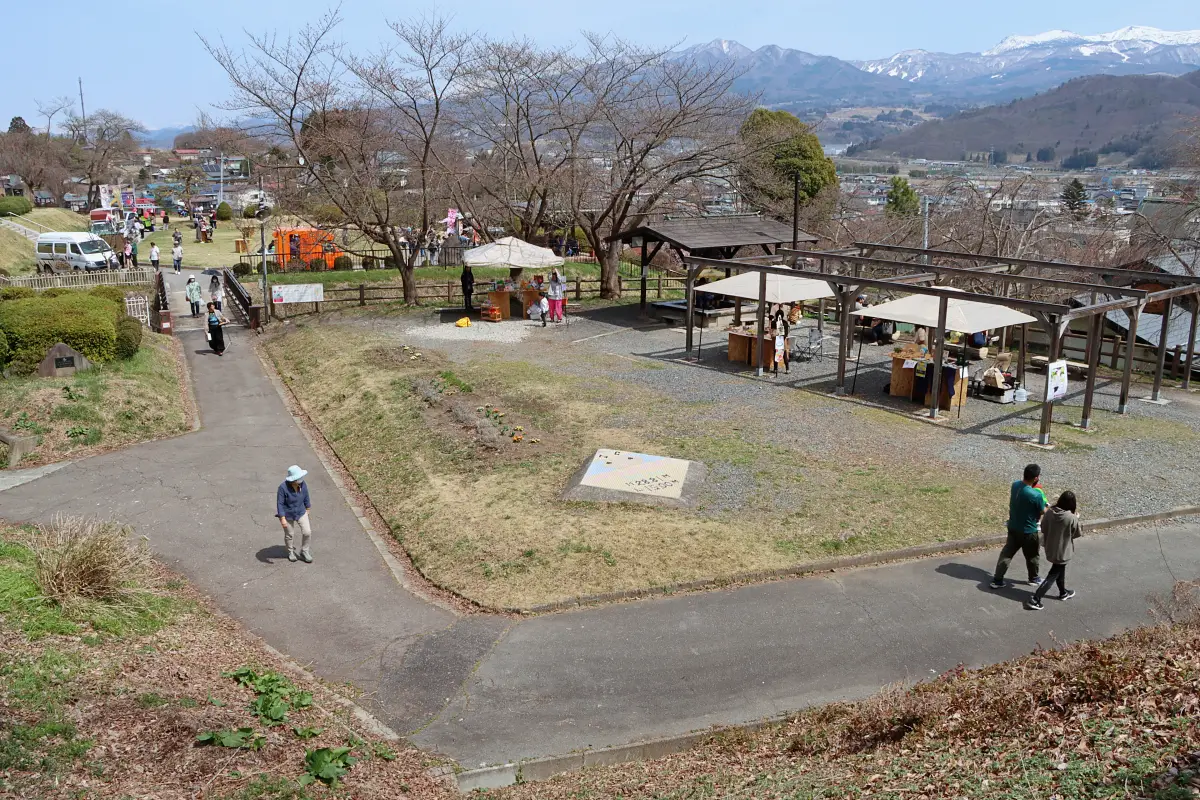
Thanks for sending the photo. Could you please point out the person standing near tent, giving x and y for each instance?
(557, 295)
(468, 287)
(779, 331)
(1025, 508)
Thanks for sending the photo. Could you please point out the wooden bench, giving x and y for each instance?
(675, 312)
(1073, 367)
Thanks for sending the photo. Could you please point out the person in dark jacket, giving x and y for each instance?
(292, 507)
(1060, 529)
(468, 287)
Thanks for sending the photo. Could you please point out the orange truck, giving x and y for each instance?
(304, 245)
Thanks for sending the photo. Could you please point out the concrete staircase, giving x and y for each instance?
(28, 233)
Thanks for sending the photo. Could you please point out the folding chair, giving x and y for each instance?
(814, 347)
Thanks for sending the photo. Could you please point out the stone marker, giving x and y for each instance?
(62, 361)
(18, 446)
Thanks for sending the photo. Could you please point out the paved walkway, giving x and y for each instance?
(485, 689)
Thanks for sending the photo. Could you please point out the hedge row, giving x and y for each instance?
(14, 205)
(87, 323)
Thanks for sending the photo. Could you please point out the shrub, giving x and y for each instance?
(34, 325)
(129, 337)
(24, 363)
(328, 214)
(318, 263)
(16, 293)
(250, 211)
(389, 262)
(83, 561)
(343, 262)
(224, 212)
(368, 262)
(294, 264)
(57, 291)
(113, 293)
(4, 351)
(242, 269)
(14, 205)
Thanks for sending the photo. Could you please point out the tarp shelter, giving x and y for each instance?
(513, 253)
(780, 288)
(963, 315)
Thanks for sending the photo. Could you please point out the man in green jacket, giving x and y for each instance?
(1025, 508)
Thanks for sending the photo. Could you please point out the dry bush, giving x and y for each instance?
(79, 560)
(1181, 607)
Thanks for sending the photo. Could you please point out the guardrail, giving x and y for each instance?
(236, 294)
(79, 279)
(160, 306)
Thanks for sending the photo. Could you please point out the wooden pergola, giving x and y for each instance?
(845, 271)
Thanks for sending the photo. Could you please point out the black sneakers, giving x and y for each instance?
(1067, 595)
(1033, 604)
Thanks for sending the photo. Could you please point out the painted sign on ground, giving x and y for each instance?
(639, 473)
(298, 293)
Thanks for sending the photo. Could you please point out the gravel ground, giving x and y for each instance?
(1137, 464)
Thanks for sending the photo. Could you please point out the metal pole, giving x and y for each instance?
(1095, 334)
(691, 308)
(1130, 346)
(1156, 393)
(262, 239)
(821, 308)
(1191, 346)
(939, 350)
(1022, 354)
(760, 319)
(221, 183)
(645, 270)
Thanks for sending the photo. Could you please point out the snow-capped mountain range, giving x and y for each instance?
(1016, 67)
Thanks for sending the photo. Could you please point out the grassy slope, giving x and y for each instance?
(106, 407)
(16, 253)
(491, 526)
(56, 219)
(1118, 718)
(101, 710)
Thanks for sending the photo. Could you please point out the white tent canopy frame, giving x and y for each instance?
(513, 253)
(780, 288)
(962, 315)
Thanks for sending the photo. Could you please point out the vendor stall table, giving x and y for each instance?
(905, 379)
(741, 348)
(502, 300)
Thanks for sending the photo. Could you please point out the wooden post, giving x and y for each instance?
(1156, 392)
(1176, 361)
(362, 294)
(1116, 353)
(659, 293)
(760, 318)
(449, 291)
(821, 306)
(845, 297)
(1191, 345)
(578, 288)
(939, 350)
(1055, 329)
(691, 308)
(645, 272)
(1133, 315)
(1095, 338)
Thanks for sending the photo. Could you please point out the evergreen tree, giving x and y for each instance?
(1074, 198)
(780, 150)
(902, 199)
(18, 125)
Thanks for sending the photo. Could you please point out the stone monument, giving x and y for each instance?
(62, 361)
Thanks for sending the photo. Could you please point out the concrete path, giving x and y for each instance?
(485, 689)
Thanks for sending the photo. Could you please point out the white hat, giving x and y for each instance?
(295, 473)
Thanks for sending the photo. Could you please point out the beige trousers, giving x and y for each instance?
(305, 528)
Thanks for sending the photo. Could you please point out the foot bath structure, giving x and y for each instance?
(618, 476)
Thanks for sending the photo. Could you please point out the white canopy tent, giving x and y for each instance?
(963, 315)
(513, 253)
(780, 288)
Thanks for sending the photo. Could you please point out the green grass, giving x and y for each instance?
(54, 219)
(110, 405)
(16, 253)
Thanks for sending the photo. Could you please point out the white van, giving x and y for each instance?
(59, 252)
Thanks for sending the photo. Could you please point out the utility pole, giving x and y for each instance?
(221, 184)
(924, 227)
(82, 111)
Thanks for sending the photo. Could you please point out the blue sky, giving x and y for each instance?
(176, 76)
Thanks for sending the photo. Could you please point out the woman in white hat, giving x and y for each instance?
(292, 507)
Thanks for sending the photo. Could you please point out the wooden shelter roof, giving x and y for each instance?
(710, 233)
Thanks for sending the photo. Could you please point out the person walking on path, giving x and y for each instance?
(154, 255)
(468, 287)
(1025, 508)
(214, 332)
(177, 257)
(177, 236)
(1060, 529)
(192, 292)
(557, 294)
(133, 247)
(292, 506)
(216, 292)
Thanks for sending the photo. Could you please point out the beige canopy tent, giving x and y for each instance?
(780, 288)
(511, 252)
(962, 315)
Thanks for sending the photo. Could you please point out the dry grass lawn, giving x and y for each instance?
(490, 525)
(110, 406)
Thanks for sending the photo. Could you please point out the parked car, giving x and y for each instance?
(70, 250)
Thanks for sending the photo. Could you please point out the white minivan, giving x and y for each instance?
(68, 250)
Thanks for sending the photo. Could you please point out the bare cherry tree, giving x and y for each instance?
(102, 141)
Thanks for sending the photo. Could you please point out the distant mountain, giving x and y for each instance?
(795, 78)
(1127, 116)
(163, 138)
(1021, 65)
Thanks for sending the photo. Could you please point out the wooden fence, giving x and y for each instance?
(82, 280)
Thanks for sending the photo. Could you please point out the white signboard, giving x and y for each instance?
(636, 472)
(1056, 373)
(298, 293)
